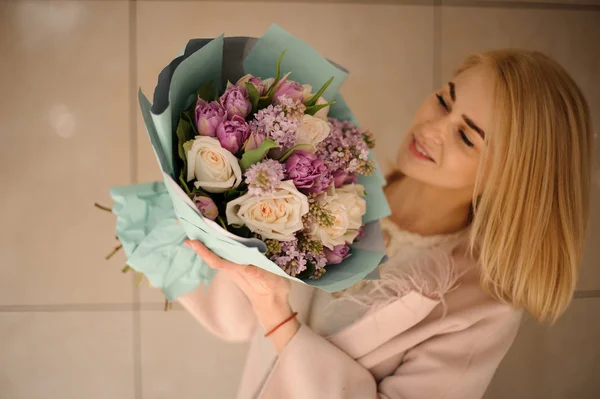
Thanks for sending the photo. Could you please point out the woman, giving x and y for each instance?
(489, 211)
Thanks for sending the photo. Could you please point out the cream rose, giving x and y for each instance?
(215, 169)
(277, 216)
(312, 131)
(346, 207)
(322, 113)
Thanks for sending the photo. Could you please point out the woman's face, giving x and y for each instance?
(449, 129)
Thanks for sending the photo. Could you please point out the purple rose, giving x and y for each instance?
(308, 172)
(261, 85)
(289, 89)
(337, 254)
(254, 141)
(341, 178)
(235, 101)
(206, 206)
(232, 134)
(208, 117)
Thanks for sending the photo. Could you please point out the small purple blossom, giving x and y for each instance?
(308, 172)
(337, 254)
(232, 134)
(290, 260)
(206, 206)
(264, 177)
(208, 115)
(235, 101)
(341, 178)
(273, 123)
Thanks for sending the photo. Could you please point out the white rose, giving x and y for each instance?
(215, 169)
(312, 131)
(347, 208)
(277, 216)
(322, 113)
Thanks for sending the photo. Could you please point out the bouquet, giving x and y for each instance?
(263, 171)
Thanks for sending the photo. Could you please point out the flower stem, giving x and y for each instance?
(114, 251)
(222, 222)
(104, 208)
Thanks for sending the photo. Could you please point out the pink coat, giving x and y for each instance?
(412, 347)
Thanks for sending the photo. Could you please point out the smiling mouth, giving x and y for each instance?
(420, 150)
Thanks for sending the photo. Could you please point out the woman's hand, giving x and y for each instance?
(268, 293)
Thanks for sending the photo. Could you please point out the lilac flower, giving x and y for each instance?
(235, 101)
(341, 178)
(290, 89)
(290, 259)
(232, 134)
(209, 116)
(345, 149)
(264, 177)
(308, 172)
(337, 254)
(273, 123)
(206, 206)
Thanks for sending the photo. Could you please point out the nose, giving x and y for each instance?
(435, 132)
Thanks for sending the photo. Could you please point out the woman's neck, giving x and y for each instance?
(427, 210)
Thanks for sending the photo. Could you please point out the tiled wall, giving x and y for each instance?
(71, 325)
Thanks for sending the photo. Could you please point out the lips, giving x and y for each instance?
(422, 149)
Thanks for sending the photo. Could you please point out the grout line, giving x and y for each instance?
(91, 307)
(450, 3)
(152, 306)
(133, 176)
(587, 294)
(437, 45)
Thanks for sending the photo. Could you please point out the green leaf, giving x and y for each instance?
(313, 109)
(189, 117)
(257, 155)
(222, 222)
(184, 128)
(291, 150)
(206, 92)
(313, 99)
(254, 96)
(183, 182)
(277, 75)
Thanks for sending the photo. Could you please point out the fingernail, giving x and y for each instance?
(187, 243)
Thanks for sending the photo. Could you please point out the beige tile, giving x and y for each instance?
(558, 362)
(568, 36)
(387, 48)
(181, 359)
(65, 141)
(66, 355)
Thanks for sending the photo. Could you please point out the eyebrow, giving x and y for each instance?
(467, 120)
(473, 126)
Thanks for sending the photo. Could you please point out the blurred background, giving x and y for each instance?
(72, 325)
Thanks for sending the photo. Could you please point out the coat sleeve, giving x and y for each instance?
(450, 366)
(223, 309)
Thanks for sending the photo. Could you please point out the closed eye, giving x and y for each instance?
(463, 135)
(442, 102)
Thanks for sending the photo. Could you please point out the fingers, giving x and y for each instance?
(213, 260)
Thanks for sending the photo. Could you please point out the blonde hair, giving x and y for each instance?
(529, 223)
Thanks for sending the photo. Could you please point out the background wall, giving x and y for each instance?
(71, 325)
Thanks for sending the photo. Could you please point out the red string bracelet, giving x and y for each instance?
(280, 324)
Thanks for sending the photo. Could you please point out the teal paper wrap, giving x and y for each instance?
(147, 214)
